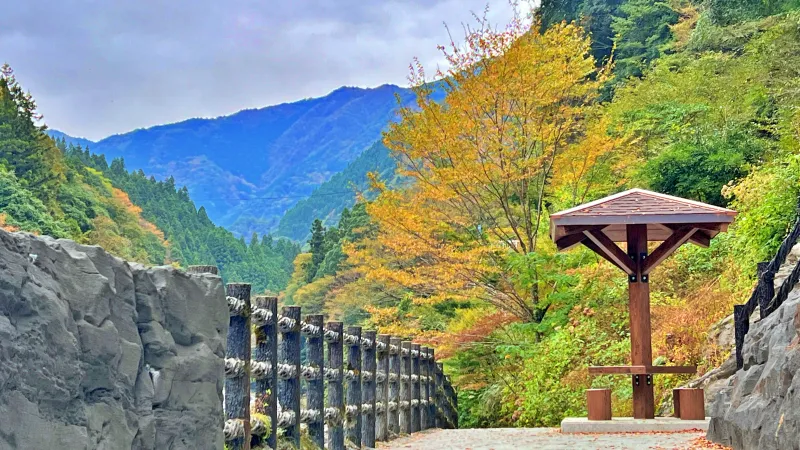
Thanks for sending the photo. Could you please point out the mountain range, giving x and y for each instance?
(273, 169)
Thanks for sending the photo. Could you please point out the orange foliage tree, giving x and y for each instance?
(516, 131)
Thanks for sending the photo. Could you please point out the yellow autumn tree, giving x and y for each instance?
(516, 130)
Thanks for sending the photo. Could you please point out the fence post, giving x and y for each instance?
(415, 391)
(264, 368)
(439, 397)
(289, 373)
(382, 391)
(334, 413)
(453, 403)
(741, 325)
(352, 410)
(766, 288)
(431, 363)
(393, 409)
(237, 367)
(368, 366)
(314, 379)
(423, 388)
(405, 388)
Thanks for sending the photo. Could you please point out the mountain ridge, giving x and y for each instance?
(249, 167)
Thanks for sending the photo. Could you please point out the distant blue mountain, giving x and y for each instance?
(248, 168)
(55, 134)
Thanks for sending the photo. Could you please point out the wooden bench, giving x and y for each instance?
(686, 403)
(689, 404)
(598, 404)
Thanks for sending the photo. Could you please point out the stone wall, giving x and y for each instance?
(759, 407)
(99, 353)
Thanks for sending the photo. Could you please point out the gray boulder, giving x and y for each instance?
(99, 353)
(759, 406)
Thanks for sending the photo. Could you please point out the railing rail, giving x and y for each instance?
(377, 389)
(764, 296)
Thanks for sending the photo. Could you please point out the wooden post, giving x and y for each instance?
(315, 383)
(423, 388)
(639, 307)
(289, 373)
(598, 404)
(405, 387)
(237, 364)
(368, 365)
(440, 408)
(416, 424)
(431, 363)
(334, 413)
(382, 392)
(455, 405)
(450, 402)
(741, 325)
(394, 385)
(264, 369)
(352, 410)
(692, 404)
(676, 402)
(765, 288)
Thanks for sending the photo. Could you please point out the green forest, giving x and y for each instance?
(65, 191)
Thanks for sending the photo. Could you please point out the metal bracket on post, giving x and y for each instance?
(632, 278)
(649, 379)
(636, 380)
(642, 258)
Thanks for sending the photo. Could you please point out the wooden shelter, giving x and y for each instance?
(636, 217)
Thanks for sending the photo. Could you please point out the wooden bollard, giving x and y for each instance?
(676, 402)
(315, 383)
(431, 363)
(353, 408)
(237, 381)
(394, 386)
(382, 390)
(334, 413)
(405, 387)
(265, 316)
(368, 366)
(692, 404)
(598, 404)
(416, 424)
(289, 381)
(440, 423)
(423, 388)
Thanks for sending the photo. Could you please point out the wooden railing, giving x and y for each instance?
(385, 387)
(764, 296)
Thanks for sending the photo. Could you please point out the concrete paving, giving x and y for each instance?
(631, 425)
(542, 438)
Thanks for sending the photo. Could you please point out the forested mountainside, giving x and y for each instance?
(340, 192)
(62, 190)
(692, 98)
(248, 168)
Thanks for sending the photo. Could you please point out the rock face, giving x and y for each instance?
(98, 353)
(759, 408)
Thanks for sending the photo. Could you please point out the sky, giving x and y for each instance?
(102, 67)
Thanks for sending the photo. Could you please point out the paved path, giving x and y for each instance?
(542, 438)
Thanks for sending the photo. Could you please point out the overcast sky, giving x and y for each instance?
(100, 67)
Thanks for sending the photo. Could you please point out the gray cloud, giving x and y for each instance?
(99, 67)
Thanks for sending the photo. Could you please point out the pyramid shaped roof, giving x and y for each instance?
(640, 206)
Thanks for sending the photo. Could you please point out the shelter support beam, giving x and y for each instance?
(639, 307)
